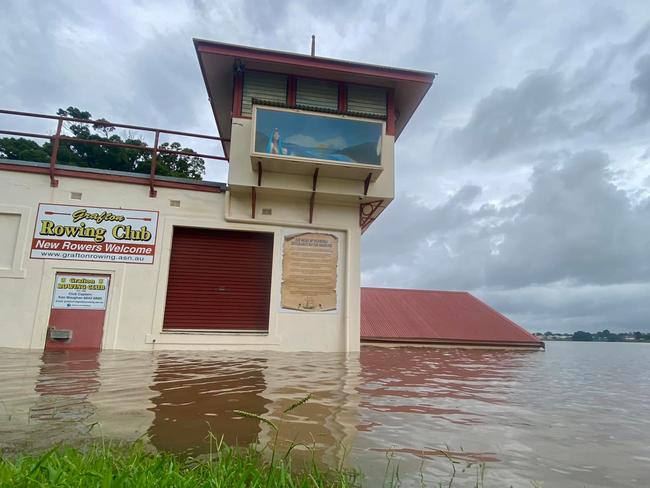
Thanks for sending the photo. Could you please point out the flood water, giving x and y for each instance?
(576, 415)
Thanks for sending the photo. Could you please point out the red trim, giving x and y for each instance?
(390, 112)
(368, 212)
(451, 342)
(292, 84)
(100, 123)
(343, 97)
(237, 94)
(107, 177)
(303, 61)
(253, 201)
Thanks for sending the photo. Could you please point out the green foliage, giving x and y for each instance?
(135, 466)
(104, 157)
(296, 404)
(23, 150)
(582, 336)
(607, 336)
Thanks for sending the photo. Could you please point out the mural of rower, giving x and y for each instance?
(275, 143)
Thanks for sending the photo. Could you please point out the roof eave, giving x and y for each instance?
(224, 49)
(403, 79)
(226, 134)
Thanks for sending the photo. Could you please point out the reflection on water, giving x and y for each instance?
(65, 381)
(198, 395)
(576, 415)
(452, 384)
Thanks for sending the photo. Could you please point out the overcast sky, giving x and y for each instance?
(524, 177)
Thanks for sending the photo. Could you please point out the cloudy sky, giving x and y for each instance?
(523, 178)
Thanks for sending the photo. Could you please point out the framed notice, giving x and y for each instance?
(309, 272)
(78, 233)
(80, 292)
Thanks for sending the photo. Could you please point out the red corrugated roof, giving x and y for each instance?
(450, 317)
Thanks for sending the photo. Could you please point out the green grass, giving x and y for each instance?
(113, 465)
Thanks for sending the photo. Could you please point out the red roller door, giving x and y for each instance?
(219, 279)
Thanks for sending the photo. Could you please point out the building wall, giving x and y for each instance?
(137, 294)
(241, 173)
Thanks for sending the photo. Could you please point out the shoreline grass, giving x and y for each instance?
(133, 465)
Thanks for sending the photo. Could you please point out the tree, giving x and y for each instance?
(582, 336)
(104, 157)
(23, 150)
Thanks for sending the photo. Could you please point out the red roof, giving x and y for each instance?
(444, 317)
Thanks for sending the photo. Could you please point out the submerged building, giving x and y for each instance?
(443, 318)
(104, 259)
(96, 259)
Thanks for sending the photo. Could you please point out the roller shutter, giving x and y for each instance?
(317, 93)
(219, 280)
(367, 100)
(269, 87)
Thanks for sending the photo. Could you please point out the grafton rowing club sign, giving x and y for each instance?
(94, 234)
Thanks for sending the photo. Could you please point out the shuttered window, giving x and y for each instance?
(219, 280)
(269, 87)
(319, 94)
(367, 100)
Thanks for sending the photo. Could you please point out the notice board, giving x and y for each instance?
(309, 272)
(84, 292)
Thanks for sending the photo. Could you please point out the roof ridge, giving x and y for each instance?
(414, 290)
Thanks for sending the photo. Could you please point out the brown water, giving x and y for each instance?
(576, 415)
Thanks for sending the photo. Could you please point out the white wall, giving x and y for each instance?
(137, 292)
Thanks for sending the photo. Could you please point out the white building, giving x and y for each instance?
(95, 259)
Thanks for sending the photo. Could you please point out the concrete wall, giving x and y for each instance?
(137, 292)
(241, 173)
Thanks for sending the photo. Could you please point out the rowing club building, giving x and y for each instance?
(102, 259)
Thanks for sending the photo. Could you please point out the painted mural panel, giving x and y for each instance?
(304, 135)
(309, 264)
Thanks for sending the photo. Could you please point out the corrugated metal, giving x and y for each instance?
(270, 87)
(367, 100)
(317, 93)
(436, 317)
(219, 279)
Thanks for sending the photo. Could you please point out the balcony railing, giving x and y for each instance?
(154, 150)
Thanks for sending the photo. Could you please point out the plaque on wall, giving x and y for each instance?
(309, 262)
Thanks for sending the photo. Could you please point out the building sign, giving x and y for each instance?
(288, 134)
(94, 234)
(80, 292)
(309, 272)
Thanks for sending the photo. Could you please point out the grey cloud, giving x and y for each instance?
(575, 225)
(640, 85)
(514, 117)
(639, 40)
(574, 228)
(563, 307)
(553, 106)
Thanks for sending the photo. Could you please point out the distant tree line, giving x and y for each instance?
(601, 336)
(103, 157)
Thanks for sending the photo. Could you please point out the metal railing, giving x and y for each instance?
(155, 150)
